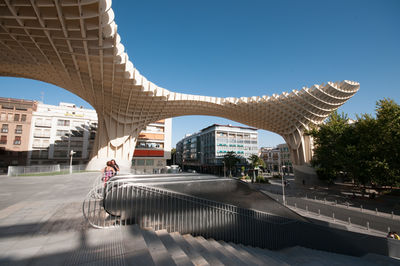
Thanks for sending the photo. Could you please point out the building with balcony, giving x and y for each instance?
(15, 127)
(204, 150)
(153, 148)
(56, 130)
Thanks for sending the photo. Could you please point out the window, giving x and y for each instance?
(149, 162)
(4, 128)
(62, 133)
(3, 117)
(18, 129)
(3, 139)
(23, 118)
(17, 140)
(16, 117)
(61, 122)
(78, 154)
(92, 135)
(140, 162)
(76, 133)
(61, 154)
(10, 117)
(36, 143)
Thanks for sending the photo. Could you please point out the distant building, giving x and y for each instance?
(204, 150)
(277, 159)
(15, 123)
(153, 148)
(56, 130)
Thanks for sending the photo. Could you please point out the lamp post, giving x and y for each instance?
(224, 169)
(71, 153)
(283, 186)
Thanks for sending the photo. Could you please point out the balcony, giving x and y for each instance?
(4, 130)
(18, 131)
(42, 124)
(41, 135)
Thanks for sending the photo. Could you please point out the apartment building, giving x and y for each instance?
(204, 150)
(153, 148)
(277, 159)
(15, 124)
(56, 130)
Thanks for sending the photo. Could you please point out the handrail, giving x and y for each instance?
(118, 203)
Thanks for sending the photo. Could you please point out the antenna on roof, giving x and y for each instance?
(42, 96)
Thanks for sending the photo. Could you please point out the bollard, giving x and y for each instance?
(361, 208)
(307, 208)
(315, 197)
(376, 211)
(306, 196)
(335, 202)
(333, 216)
(324, 200)
(319, 212)
(388, 229)
(347, 205)
(349, 221)
(295, 205)
(392, 215)
(367, 225)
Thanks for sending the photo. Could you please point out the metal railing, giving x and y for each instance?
(37, 169)
(122, 202)
(119, 203)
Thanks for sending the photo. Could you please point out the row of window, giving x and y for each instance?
(18, 129)
(149, 145)
(17, 140)
(13, 117)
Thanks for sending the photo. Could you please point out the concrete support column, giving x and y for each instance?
(114, 140)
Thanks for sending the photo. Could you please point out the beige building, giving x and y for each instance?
(15, 127)
(153, 148)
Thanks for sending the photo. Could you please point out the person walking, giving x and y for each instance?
(108, 172)
(115, 166)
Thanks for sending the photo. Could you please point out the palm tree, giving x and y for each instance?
(230, 160)
(256, 161)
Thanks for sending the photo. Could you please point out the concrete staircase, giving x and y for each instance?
(132, 245)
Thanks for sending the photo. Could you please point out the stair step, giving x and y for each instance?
(270, 258)
(193, 255)
(237, 259)
(242, 255)
(157, 249)
(217, 253)
(210, 258)
(136, 250)
(177, 254)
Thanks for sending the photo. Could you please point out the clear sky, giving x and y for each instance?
(252, 48)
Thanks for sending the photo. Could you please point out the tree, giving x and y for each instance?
(255, 162)
(366, 151)
(329, 150)
(230, 159)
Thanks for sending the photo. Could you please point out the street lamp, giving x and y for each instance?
(224, 169)
(71, 153)
(283, 185)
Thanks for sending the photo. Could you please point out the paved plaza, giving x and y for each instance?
(41, 223)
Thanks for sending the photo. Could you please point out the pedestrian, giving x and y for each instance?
(393, 235)
(115, 166)
(108, 172)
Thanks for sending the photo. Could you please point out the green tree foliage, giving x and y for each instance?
(230, 159)
(366, 151)
(256, 161)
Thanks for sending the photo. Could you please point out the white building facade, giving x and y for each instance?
(56, 130)
(205, 150)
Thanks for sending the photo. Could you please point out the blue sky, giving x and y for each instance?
(249, 48)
